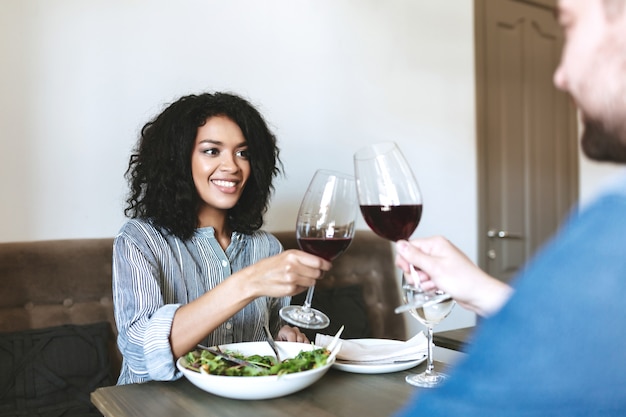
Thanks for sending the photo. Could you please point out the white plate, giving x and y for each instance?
(257, 387)
(381, 368)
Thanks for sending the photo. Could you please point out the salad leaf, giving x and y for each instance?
(262, 365)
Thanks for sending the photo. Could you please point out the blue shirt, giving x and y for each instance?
(558, 347)
(154, 273)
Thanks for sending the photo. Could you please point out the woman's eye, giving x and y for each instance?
(243, 153)
(211, 151)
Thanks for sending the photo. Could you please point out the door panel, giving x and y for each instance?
(526, 131)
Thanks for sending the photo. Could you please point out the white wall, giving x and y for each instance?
(80, 77)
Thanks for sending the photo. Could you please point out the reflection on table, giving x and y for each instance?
(336, 394)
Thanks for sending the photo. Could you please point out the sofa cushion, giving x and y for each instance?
(50, 283)
(52, 371)
(345, 306)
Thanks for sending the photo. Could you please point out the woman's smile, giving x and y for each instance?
(225, 185)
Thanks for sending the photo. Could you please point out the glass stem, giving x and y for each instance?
(309, 298)
(416, 279)
(430, 367)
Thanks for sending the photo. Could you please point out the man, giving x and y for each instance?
(553, 344)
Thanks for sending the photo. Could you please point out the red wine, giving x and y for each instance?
(393, 222)
(328, 249)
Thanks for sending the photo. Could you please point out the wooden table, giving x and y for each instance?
(336, 394)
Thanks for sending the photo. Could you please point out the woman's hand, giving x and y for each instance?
(441, 265)
(291, 334)
(285, 274)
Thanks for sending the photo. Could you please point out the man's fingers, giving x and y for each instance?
(413, 255)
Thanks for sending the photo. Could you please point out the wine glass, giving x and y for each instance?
(429, 315)
(391, 202)
(389, 197)
(325, 227)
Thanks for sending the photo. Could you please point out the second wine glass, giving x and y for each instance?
(389, 197)
(325, 227)
(391, 203)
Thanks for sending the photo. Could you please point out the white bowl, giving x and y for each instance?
(257, 387)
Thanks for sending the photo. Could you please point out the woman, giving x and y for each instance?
(192, 264)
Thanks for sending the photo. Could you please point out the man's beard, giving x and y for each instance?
(600, 145)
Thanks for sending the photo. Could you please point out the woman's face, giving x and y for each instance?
(219, 167)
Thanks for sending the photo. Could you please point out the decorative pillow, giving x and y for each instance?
(344, 306)
(51, 372)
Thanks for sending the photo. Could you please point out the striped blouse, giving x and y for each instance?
(154, 273)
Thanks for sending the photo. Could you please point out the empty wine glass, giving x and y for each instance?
(325, 227)
(429, 315)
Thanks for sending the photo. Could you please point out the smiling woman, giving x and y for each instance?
(193, 265)
(220, 167)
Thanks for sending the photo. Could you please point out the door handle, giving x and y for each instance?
(503, 234)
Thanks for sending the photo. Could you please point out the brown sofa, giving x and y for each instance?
(57, 340)
(59, 282)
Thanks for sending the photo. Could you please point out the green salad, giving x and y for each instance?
(259, 365)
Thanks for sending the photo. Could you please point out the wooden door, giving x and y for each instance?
(527, 140)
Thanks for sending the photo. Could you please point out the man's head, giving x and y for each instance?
(593, 72)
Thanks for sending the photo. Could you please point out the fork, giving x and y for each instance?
(226, 356)
(270, 340)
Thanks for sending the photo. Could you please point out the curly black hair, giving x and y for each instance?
(159, 170)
